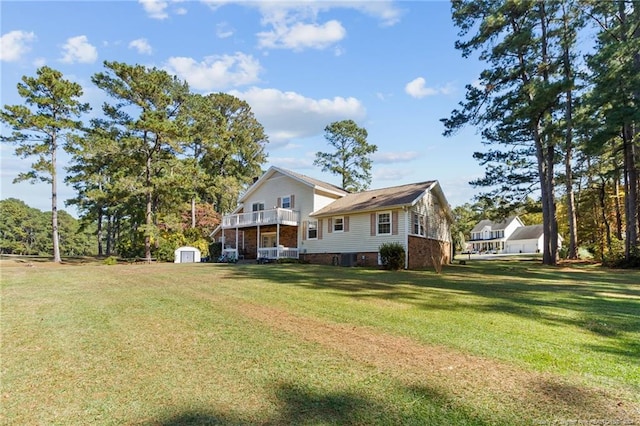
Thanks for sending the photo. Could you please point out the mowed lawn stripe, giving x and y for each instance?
(276, 344)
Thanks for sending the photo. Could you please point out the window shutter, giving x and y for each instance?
(330, 225)
(279, 203)
(394, 223)
(373, 224)
(346, 224)
(305, 226)
(319, 229)
(293, 197)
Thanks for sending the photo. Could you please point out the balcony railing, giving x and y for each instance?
(277, 253)
(262, 217)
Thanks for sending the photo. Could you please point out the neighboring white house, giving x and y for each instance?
(488, 235)
(288, 215)
(508, 236)
(187, 255)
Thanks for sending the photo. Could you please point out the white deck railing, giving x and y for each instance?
(262, 217)
(277, 253)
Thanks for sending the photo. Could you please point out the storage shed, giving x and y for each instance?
(187, 255)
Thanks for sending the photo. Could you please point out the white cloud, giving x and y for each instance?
(391, 173)
(216, 72)
(386, 11)
(78, 49)
(289, 115)
(14, 44)
(142, 46)
(394, 157)
(292, 162)
(156, 9)
(224, 30)
(417, 88)
(301, 36)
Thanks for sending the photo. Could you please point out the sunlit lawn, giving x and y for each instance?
(484, 343)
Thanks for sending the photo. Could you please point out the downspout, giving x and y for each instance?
(406, 236)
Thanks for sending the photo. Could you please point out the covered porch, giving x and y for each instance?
(269, 242)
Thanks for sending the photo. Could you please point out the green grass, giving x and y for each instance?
(168, 344)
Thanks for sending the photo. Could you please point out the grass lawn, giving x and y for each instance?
(490, 342)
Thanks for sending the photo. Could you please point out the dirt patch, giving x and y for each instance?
(468, 381)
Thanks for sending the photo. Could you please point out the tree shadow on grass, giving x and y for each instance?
(600, 301)
(300, 405)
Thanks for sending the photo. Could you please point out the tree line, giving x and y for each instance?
(558, 116)
(157, 166)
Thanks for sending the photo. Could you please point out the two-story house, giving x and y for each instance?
(288, 215)
(508, 236)
(488, 235)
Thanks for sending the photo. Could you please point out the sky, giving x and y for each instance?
(390, 66)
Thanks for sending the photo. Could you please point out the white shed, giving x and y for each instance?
(187, 255)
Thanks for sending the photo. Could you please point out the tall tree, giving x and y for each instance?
(232, 145)
(40, 127)
(516, 106)
(153, 135)
(351, 158)
(616, 95)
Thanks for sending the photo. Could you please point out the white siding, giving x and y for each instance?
(515, 224)
(277, 186)
(357, 239)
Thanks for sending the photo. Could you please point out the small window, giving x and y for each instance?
(384, 223)
(418, 224)
(286, 202)
(312, 230)
(338, 224)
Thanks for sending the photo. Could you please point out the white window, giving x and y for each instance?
(312, 230)
(258, 214)
(418, 224)
(286, 202)
(338, 224)
(384, 223)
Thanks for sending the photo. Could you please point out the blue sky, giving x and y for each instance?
(389, 66)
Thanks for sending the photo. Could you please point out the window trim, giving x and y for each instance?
(419, 223)
(315, 223)
(390, 224)
(285, 197)
(335, 223)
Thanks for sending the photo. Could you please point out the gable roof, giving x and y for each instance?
(378, 199)
(306, 180)
(530, 232)
(495, 226)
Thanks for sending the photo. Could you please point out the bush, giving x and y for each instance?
(111, 260)
(392, 256)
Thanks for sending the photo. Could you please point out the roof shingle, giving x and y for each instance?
(377, 199)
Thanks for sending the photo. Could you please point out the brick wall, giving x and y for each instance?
(422, 251)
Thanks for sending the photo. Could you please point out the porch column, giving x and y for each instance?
(258, 242)
(237, 245)
(278, 240)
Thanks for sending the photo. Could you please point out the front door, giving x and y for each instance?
(268, 239)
